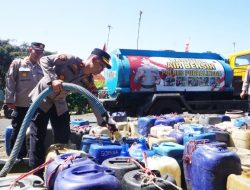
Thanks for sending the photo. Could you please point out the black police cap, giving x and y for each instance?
(37, 46)
(105, 57)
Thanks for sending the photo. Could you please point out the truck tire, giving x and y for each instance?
(165, 107)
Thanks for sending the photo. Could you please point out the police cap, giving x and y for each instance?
(37, 46)
(105, 57)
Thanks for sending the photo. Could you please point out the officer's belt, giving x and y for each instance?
(148, 86)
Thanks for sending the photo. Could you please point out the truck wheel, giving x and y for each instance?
(165, 107)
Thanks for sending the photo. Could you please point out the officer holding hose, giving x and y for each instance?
(60, 68)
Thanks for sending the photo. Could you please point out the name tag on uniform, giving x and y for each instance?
(24, 71)
(27, 69)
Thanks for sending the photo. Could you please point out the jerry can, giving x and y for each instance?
(178, 135)
(238, 182)
(160, 130)
(198, 136)
(87, 140)
(166, 121)
(190, 148)
(211, 166)
(165, 165)
(170, 149)
(87, 177)
(28, 183)
(144, 125)
(241, 138)
(244, 155)
(103, 152)
(59, 164)
(137, 180)
(153, 140)
(7, 135)
(120, 165)
(137, 149)
(79, 122)
(98, 131)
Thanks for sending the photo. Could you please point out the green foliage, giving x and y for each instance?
(78, 103)
(8, 53)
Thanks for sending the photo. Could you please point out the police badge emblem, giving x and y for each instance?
(62, 57)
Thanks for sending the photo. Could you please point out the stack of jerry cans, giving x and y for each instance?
(211, 166)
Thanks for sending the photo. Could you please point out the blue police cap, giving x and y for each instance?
(37, 46)
(105, 57)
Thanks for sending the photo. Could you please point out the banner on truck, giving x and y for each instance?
(175, 74)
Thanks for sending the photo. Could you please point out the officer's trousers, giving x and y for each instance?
(38, 128)
(248, 103)
(17, 119)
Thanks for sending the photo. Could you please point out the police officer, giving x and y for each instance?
(246, 88)
(22, 77)
(60, 68)
(147, 76)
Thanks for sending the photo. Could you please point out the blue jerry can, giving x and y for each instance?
(103, 152)
(86, 177)
(52, 169)
(211, 166)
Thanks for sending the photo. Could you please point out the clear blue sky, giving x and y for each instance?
(77, 26)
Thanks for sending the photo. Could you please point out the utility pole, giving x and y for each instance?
(139, 24)
(109, 27)
(234, 43)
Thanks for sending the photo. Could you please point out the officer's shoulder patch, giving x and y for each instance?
(62, 57)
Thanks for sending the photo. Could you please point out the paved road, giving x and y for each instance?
(90, 117)
(4, 123)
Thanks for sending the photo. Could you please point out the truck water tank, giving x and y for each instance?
(177, 71)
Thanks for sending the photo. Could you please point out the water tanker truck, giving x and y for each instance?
(145, 82)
